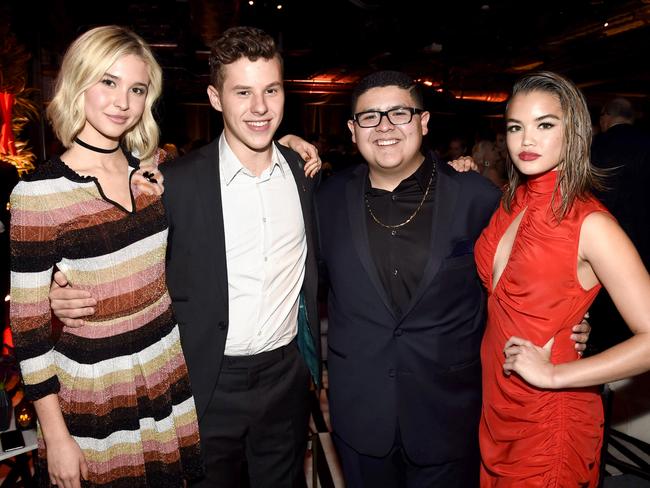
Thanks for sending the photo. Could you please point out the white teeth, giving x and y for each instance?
(261, 123)
(388, 142)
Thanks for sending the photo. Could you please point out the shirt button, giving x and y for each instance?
(265, 259)
(395, 272)
(391, 373)
(263, 219)
(398, 332)
(222, 325)
(393, 232)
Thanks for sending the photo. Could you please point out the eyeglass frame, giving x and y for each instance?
(384, 113)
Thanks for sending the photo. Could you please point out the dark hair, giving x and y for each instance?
(576, 176)
(619, 107)
(387, 78)
(236, 43)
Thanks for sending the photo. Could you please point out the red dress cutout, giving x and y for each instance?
(531, 437)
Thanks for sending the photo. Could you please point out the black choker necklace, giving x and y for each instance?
(95, 148)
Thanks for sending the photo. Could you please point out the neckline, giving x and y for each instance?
(69, 173)
(543, 184)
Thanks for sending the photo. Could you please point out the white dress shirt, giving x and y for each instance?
(266, 249)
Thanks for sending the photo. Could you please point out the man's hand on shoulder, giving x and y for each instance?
(463, 164)
(68, 304)
(306, 151)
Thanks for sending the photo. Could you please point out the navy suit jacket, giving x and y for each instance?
(197, 275)
(421, 370)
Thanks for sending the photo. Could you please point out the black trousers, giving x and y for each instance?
(259, 414)
(396, 470)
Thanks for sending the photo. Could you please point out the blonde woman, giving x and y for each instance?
(113, 398)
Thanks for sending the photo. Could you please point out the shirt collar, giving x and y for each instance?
(230, 165)
(421, 176)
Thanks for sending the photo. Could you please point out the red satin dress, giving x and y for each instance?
(531, 437)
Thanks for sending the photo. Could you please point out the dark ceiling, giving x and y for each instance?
(464, 48)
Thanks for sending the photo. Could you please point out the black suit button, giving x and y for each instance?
(391, 373)
(398, 332)
(222, 325)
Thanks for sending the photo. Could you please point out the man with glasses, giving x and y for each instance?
(406, 308)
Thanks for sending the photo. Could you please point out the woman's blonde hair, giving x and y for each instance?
(576, 176)
(84, 64)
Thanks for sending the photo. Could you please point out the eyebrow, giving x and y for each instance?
(248, 87)
(538, 119)
(114, 77)
(374, 109)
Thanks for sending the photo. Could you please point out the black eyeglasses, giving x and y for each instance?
(396, 116)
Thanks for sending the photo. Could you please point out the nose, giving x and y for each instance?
(528, 138)
(384, 123)
(121, 100)
(258, 104)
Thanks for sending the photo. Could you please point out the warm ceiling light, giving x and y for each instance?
(528, 66)
(428, 83)
(606, 24)
(250, 2)
(483, 96)
(279, 6)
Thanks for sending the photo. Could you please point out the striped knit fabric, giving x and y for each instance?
(122, 381)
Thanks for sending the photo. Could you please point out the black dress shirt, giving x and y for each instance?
(401, 254)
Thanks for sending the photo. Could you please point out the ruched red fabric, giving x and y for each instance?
(532, 437)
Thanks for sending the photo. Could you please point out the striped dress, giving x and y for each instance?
(122, 382)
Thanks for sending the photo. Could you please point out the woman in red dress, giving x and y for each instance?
(543, 257)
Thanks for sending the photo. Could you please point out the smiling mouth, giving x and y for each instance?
(259, 123)
(386, 142)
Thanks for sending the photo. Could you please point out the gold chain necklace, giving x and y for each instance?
(412, 215)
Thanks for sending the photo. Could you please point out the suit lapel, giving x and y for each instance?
(208, 186)
(302, 183)
(354, 194)
(444, 204)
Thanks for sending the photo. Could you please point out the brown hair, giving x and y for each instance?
(576, 176)
(236, 43)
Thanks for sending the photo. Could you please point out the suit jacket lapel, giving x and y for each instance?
(208, 186)
(302, 183)
(444, 203)
(354, 194)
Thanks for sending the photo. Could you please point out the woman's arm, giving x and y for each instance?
(34, 253)
(605, 254)
(65, 461)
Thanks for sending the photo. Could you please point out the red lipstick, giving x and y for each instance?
(528, 156)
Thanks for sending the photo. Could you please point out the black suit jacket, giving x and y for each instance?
(196, 261)
(420, 371)
(624, 151)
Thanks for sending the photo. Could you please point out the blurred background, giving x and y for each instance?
(466, 53)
